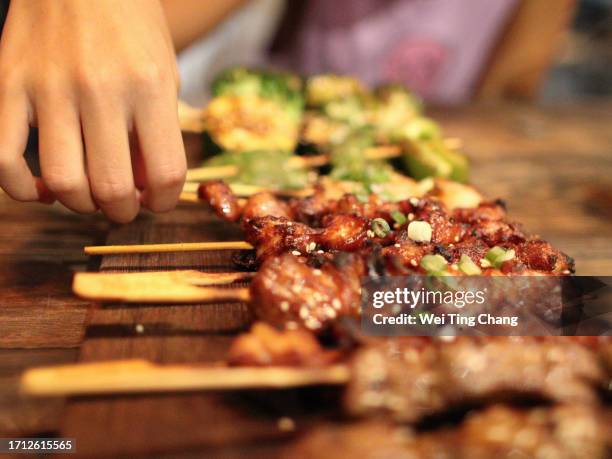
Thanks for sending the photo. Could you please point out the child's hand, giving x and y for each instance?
(95, 77)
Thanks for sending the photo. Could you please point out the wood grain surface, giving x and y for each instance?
(552, 165)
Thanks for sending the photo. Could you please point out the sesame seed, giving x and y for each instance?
(284, 306)
(139, 329)
(317, 272)
(414, 201)
(413, 262)
(297, 253)
(304, 313)
(336, 303)
(410, 216)
(397, 246)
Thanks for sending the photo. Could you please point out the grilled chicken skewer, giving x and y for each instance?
(409, 229)
(423, 376)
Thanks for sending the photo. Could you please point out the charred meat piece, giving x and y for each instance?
(221, 198)
(310, 210)
(272, 236)
(395, 378)
(444, 228)
(541, 256)
(474, 248)
(407, 253)
(264, 345)
(498, 232)
(287, 292)
(562, 432)
(344, 232)
(265, 204)
(486, 211)
(314, 209)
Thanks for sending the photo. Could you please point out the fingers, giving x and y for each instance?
(161, 150)
(108, 159)
(62, 160)
(16, 179)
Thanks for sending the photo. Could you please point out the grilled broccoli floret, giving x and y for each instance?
(396, 109)
(349, 160)
(282, 88)
(398, 98)
(266, 168)
(419, 128)
(433, 158)
(322, 89)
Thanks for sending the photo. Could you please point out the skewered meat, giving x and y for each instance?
(344, 232)
(541, 256)
(264, 346)
(288, 292)
(410, 382)
(444, 228)
(345, 225)
(563, 432)
(272, 236)
(265, 204)
(221, 198)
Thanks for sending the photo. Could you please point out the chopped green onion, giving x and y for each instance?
(496, 256)
(419, 231)
(398, 217)
(435, 265)
(467, 266)
(380, 227)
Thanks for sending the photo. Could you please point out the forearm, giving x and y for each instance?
(190, 19)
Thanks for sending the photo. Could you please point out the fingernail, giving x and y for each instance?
(44, 194)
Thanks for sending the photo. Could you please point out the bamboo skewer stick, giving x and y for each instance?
(245, 190)
(160, 287)
(131, 376)
(201, 174)
(162, 248)
(188, 196)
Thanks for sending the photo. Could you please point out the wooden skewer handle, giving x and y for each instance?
(160, 248)
(201, 174)
(159, 287)
(128, 376)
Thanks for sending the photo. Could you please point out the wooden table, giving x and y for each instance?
(552, 165)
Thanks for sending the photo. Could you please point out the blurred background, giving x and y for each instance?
(449, 52)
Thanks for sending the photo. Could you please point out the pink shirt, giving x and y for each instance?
(439, 48)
